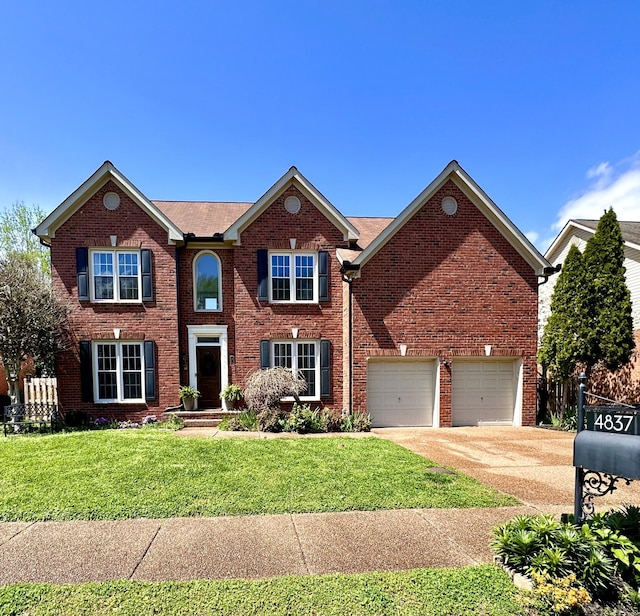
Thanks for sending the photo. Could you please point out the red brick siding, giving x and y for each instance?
(190, 316)
(91, 226)
(446, 286)
(262, 320)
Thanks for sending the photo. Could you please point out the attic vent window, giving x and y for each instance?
(449, 206)
(292, 205)
(111, 201)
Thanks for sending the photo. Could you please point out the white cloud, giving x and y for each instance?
(616, 186)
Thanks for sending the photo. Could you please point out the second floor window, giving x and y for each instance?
(206, 282)
(115, 275)
(293, 277)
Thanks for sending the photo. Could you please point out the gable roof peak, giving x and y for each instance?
(454, 172)
(46, 230)
(308, 190)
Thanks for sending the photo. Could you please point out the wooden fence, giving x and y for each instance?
(41, 391)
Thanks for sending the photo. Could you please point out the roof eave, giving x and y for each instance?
(466, 183)
(46, 230)
(309, 190)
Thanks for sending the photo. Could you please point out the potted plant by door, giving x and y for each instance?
(188, 396)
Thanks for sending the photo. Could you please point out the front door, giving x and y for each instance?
(208, 375)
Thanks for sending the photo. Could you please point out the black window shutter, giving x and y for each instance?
(325, 368)
(82, 272)
(150, 369)
(265, 354)
(323, 276)
(263, 275)
(147, 278)
(86, 371)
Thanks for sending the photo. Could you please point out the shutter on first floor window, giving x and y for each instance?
(323, 276)
(147, 277)
(265, 355)
(86, 371)
(150, 370)
(263, 276)
(82, 272)
(325, 368)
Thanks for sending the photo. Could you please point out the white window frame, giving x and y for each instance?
(116, 276)
(292, 254)
(119, 372)
(294, 362)
(205, 253)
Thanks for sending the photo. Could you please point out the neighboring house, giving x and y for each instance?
(578, 232)
(425, 319)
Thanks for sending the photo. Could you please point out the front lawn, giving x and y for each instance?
(468, 591)
(113, 474)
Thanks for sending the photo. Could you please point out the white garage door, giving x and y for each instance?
(401, 392)
(483, 391)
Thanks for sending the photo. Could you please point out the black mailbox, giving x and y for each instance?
(606, 452)
(606, 449)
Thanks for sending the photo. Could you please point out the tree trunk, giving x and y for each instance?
(13, 383)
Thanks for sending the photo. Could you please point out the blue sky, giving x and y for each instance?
(538, 101)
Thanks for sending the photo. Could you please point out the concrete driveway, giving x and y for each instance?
(532, 464)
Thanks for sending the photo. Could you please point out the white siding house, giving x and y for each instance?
(577, 232)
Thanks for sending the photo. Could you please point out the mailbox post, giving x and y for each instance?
(606, 449)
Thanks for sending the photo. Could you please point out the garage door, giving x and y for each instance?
(483, 391)
(401, 393)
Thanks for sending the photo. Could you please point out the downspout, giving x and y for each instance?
(348, 272)
(178, 311)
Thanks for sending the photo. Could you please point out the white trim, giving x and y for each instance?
(193, 333)
(200, 254)
(119, 374)
(292, 178)
(46, 230)
(493, 213)
(292, 277)
(294, 363)
(116, 276)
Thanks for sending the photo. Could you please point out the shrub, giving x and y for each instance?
(149, 420)
(245, 421)
(600, 559)
(76, 419)
(266, 388)
(270, 420)
(173, 423)
(332, 420)
(356, 422)
(303, 420)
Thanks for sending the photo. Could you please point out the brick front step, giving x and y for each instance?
(205, 418)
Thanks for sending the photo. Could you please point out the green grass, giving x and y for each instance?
(470, 591)
(115, 474)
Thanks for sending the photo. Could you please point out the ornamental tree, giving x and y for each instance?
(569, 337)
(32, 321)
(16, 235)
(613, 323)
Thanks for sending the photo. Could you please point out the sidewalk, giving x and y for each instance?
(247, 546)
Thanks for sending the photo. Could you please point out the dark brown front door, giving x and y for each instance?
(208, 374)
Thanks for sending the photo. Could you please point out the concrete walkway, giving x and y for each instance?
(532, 464)
(248, 546)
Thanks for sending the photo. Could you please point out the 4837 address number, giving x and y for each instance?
(623, 423)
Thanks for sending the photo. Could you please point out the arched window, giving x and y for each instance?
(207, 282)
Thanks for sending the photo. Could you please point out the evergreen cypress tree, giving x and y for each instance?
(613, 324)
(569, 338)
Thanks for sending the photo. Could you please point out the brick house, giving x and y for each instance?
(425, 319)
